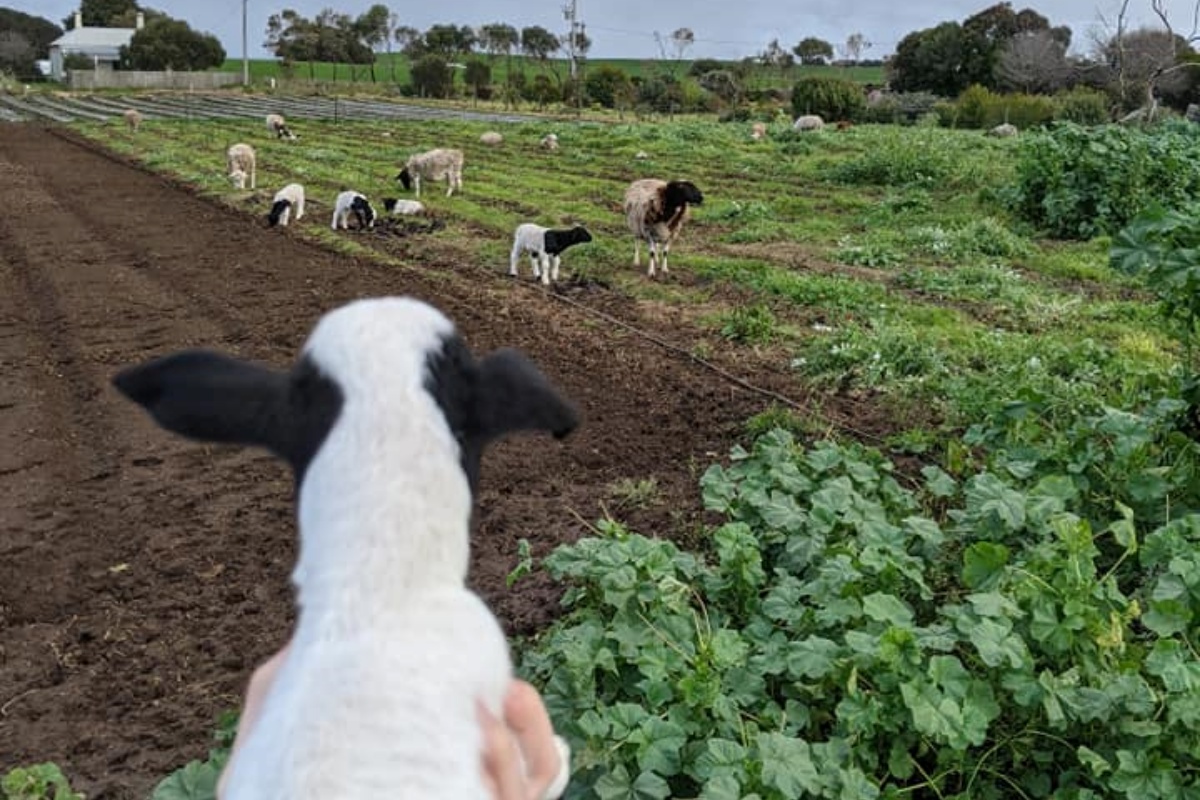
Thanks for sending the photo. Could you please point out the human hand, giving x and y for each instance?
(522, 758)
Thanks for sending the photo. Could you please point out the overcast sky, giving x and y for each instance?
(625, 28)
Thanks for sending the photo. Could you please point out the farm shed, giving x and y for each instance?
(101, 45)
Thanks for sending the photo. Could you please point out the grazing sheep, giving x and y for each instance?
(350, 202)
(1003, 131)
(286, 199)
(549, 142)
(491, 138)
(133, 119)
(758, 131)
(544, 247)
(277, 126)
(383, 419)
(641, 155)
(403, 207)
(241, 162)
(808, 122)
(433, 165)
(655, 211)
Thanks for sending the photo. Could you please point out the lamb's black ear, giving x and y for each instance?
(514, 395)
(213, 398)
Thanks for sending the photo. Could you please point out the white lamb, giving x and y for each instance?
(655, 211)
(545, 247)
(491, 138)
(433, 165)
(351, 202)
(278, 126)
(241, 162)
(401, 207)
(549, 142)
(133, 119)
(286, 199)
(383, 419)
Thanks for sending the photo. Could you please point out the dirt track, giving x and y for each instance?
(142, 576)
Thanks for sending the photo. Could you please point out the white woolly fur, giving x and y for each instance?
(241, 162)
(391, 649)
(343, 207)
(293, 193)
(435, 165)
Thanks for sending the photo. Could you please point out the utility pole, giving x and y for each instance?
(571, 13)
(245, 51)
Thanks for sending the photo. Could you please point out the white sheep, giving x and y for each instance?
(133, 119)
(241, 162)
(545, 247)
(549, 142)
(351, 202)
(655, 211)
(491, 138)
(433, 165)
(758, 131)
(287, 199)
(401, 207)
(278, 126)
(383, 418)
(808, 122)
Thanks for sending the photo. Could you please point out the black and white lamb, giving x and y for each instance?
(433, 165)
(655, 211)
(351, 202)
(383, 419)
(288, 199)
(545, 247)
(403, 208)
(278, 126)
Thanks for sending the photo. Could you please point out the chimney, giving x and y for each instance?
(141, 21)
(78, 19)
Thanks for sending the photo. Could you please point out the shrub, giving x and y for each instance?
(1082, 106)
(431, 77)
(836, 641)
(607, 85)
(1078, 182)
(979, 107)
(900, 107)
(829, 98)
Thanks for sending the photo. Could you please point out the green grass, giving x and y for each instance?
(920, 291)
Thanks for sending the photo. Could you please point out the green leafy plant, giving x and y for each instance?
(749, 324)
(37, 782)
(197, 780)
(829, 98)
(837, 641)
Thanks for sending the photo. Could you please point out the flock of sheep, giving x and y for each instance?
(654, 209)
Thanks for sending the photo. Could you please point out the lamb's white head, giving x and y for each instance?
(385, 404)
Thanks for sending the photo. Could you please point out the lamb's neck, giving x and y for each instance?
(356, 567)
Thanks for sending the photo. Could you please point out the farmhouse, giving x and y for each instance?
(101, 45)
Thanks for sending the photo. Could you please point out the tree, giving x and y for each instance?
(431, 76)
(450, 41)
(986, 35)
(499, 38)
(37, 32)
(329, 37)
(373, 29)
(854, 47)
(410, 41)
(682, 40)
(930, 60)
(1034, 62)
(723, 83)
(17, 56)
(538, 43)
(812, 50)
(171, 44)
(101, 13)
(478, 76)
(775, 56)
(1149, 64)
(608, 86)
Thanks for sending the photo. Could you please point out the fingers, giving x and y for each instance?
(526, 716)
(503, 772)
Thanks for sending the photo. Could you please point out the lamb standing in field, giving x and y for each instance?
(383, 419)
(403, 207)
(350, 202)
(286, 199)
(549, 142)
(433, 165)
(241, 162)
(545, 247)
(277, 126)
(655, 211)
(133, 119)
